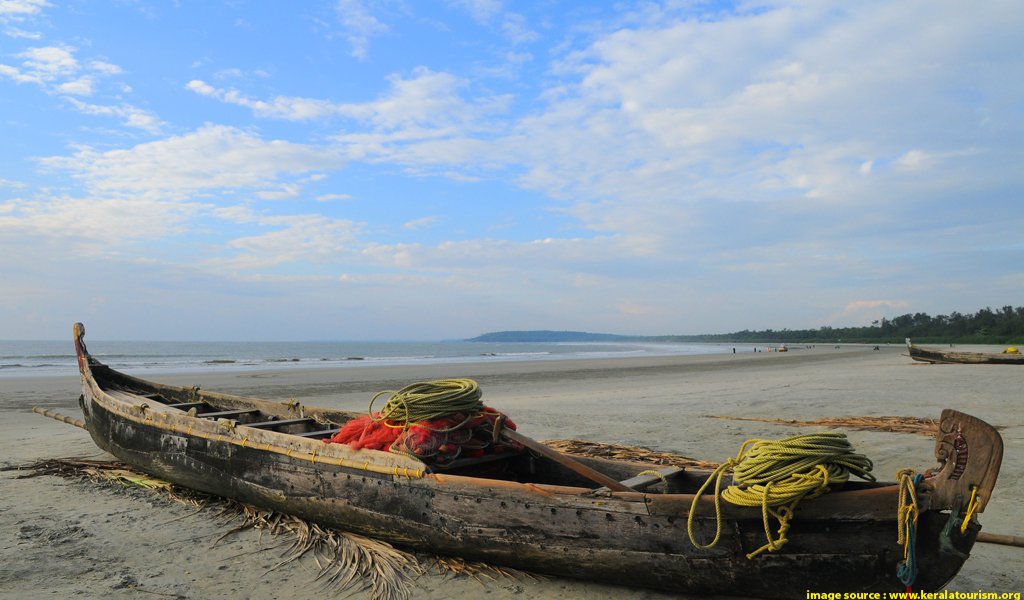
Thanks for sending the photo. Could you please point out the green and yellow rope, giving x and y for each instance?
(427, 401)
(776, 475)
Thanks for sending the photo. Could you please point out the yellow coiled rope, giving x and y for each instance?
(777, 474)
(428, 400)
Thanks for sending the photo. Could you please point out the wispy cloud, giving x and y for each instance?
(43, 65)
(100, 226)
(421, 223)
(21, 9)
(14, 32)
(281, 107)
(212, 158)
(513, 25)
(131, 116)
(427, 99)
(312, 238)
(359, 25)
(333, 197)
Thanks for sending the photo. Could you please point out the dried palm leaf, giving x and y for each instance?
(480, 571)
(344, 560)
(127, 477)
(928, 427)
(631, 453)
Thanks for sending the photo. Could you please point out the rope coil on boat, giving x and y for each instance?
(433, 421)
(429, 400)
(776, 475)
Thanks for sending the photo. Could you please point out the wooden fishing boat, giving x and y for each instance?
(535, 510)
(972, 358)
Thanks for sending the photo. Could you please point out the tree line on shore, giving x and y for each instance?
(987, 326)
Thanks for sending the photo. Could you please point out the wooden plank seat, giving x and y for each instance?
(642, 482)
(318, 433)
(278, 423)
(187, 405)
(226, 414)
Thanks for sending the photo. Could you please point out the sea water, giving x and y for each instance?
(19, 358)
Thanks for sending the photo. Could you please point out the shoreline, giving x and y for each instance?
(274, 378)
(539, 353)
(67, 538)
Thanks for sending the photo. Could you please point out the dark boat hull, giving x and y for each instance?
(933, 356)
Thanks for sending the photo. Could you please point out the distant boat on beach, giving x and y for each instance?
(1010, 356)
(529, 506)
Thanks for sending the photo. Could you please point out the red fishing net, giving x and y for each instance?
(438, 441)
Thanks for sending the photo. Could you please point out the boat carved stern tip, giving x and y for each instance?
(970, 452)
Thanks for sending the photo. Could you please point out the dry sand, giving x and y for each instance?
(61, 538)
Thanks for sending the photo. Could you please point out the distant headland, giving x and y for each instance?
(987, 326)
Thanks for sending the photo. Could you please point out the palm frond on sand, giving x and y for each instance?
(480, 571)
(345, 561)
(928, 427)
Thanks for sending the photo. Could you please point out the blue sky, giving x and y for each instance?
(391, 169)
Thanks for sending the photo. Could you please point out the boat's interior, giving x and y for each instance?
(320, 424)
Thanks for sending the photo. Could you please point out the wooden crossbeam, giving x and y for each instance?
(277, 423)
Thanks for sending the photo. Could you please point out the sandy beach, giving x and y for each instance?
(64, 538)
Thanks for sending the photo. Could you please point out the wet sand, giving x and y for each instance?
(61, 538)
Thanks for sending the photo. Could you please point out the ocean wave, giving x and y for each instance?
(50, 358)
(37, 356)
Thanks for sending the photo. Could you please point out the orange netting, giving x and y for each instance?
(439, 441)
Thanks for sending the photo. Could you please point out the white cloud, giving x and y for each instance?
(238, 213)
(16, 75)
(49, 62)
(83, 86)
(56, 70)
(333, 197)
(105, 68)
(9, 183)
(281, 107)
(18, 9)
(14, 32)
(488, 12)
(865, 311)
(421, 223)
(359, 25)
(483, 11)
(919, 160)
(211, 158)
(517, 30)
(130, 115)
(101, 225)
(860, 305)
(312, 238)
(482, 254)
(914, 159)
(428, 100)
(283, 191)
